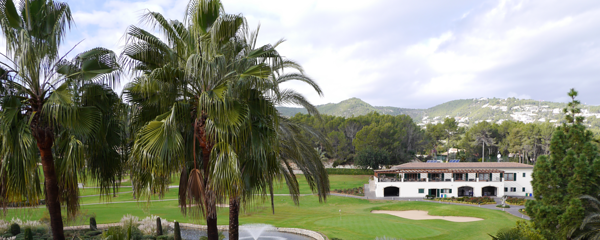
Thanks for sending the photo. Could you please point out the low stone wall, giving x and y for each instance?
(299, 231)
(100, 226)
(303, 232)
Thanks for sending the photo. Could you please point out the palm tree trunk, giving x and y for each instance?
(234, 223)
(212, 231)
(44, 143)
(483, 152)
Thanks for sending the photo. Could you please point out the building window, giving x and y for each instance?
(505, 189)
(411, 177)
(421, 190)
(523, 189)
(513, 189)
(523, 174)
(484, 176)
(510, 176)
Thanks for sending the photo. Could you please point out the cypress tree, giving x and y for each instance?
(93, 225)
(159, 230)
(565, 175)
(177, 232)
(28, 234)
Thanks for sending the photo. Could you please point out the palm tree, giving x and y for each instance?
(590, 227)
(185, 106)
(53, 106)
(213, 92)
(483, 138)
(272, 142)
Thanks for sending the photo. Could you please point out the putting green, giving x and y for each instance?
(358, 225)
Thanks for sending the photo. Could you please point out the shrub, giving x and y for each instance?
(93, 233)
(148, 225)
(114, 233)
(4, 226)
(15, 229)
(471, 200)
(353, 191)
(221, 237)
(165, 237)
(345, 171)
(516, 200)
(28, 234)
(502, 206)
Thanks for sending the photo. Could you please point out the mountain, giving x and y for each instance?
(350, 107)
(465, 111)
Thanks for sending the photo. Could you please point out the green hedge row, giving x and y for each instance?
(347, 171)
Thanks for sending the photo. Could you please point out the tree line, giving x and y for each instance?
(397, 139)
(391, 139)
(514, 141)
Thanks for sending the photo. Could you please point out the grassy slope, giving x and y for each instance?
(356, 222)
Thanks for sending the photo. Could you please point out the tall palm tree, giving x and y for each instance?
(208, 88)
(49, 110)
(185, 107)
(272, 142)
(483, 138)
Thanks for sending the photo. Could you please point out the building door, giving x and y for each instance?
(488, 191)
(465, 191)
(434, 192)
(391, 192)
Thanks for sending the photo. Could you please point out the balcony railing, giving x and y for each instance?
(497, 179)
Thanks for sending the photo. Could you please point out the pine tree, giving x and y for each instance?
(560, 179)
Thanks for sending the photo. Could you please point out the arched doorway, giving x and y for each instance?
(465, 191)
(391, 192)
(489, 191)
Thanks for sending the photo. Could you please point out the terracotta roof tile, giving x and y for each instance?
(474, 165)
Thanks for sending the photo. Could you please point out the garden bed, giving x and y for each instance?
(467, 200)
(516, 201)
(359, 191)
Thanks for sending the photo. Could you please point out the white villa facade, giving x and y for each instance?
(416, 180)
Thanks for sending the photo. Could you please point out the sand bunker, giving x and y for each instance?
(423, 215)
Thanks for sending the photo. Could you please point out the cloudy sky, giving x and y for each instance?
(413, 54)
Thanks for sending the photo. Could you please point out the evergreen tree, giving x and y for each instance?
(562, 177)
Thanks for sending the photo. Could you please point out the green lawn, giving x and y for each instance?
(356, 221)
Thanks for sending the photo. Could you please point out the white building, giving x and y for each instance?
(417, 179)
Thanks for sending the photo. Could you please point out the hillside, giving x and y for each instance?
(351, 107)
(465, 111)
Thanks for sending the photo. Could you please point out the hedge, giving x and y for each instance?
(349, 171)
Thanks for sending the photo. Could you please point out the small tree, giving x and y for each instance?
(370, 157)
(561, 178)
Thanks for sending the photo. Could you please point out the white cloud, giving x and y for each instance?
(404, 53)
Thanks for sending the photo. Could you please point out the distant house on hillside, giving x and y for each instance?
(455, 179)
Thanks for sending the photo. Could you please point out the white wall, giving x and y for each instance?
(411, 189)
(522, 182)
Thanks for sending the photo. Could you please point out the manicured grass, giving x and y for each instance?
(335, 182)
(356, 221)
